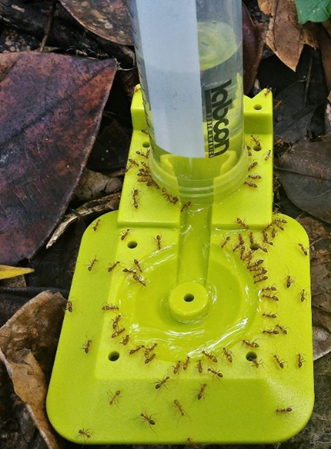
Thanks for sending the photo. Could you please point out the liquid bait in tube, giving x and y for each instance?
(189, 55)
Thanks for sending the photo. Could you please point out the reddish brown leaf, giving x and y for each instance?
(51, 107)
(106, 18)
(253, 43)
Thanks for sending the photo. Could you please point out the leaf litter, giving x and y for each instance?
(48, 128)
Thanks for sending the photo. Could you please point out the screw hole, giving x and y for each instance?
(251, 356)
(113, 356)
(132, 244)
(189, 297)
(146, 144)
(257, 107)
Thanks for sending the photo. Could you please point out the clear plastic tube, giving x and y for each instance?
(189, 55)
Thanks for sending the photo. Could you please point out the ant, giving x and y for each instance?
(270, 331)
(289, 281)
(125, 340)
(286, 410)
(179, 407)
(301, 360)
(303, 295)
(185, 206)
(242, 223)
(202, 391)
(92, 264)
(162, 382)
(271, 297)
(282, 328)
(251, 344)
(225, 241)
(116, 321)
(271, 288)
(210, 356)
(117, 333)
(303, 249)
(257, 363)
(136, 349)
(68, 306)
(113, 266)
(158, 241)
(253, 164)
(137, 264)
(215, 373)
(250, 184)
(139, 279)
(124, 234)
(114, 397)
(87, 345)
(150, 358)
(85, 433)
(176, 368)
(148, 419)
(279, 362)
(262, 279)
(96, 225)
(269, 315)
(109, 307)
(228, 355)
(186, 363)
(135, 195)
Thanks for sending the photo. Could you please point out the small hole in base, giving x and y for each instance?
(257, 107)
(257, 148)
(251, 356)
(189, 297)
(254, 247)
(146, 144)
(132, 244)
(113, 356)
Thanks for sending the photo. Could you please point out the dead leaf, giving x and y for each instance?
(94, 185)
(322, 342)
(101, 205)
(51, 110)
(292, 119)
(285, 36)
(27, 349)
(253, 43)
(325, 43)
(108, 19)
(305, 174)
(7, 272)
(111, 148)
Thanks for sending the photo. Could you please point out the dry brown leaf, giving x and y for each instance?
(285, 36)
(322, 342)
(28, 343)
(94, 185)
(320, 241)
(101, 205)
(265, 6)
(325, 42)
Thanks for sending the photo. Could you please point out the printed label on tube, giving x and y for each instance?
(217, 107)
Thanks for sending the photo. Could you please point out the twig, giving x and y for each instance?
(49, 26)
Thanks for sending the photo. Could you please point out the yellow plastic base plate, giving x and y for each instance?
(188, 324)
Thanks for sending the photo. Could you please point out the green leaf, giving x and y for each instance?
(313, 10)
